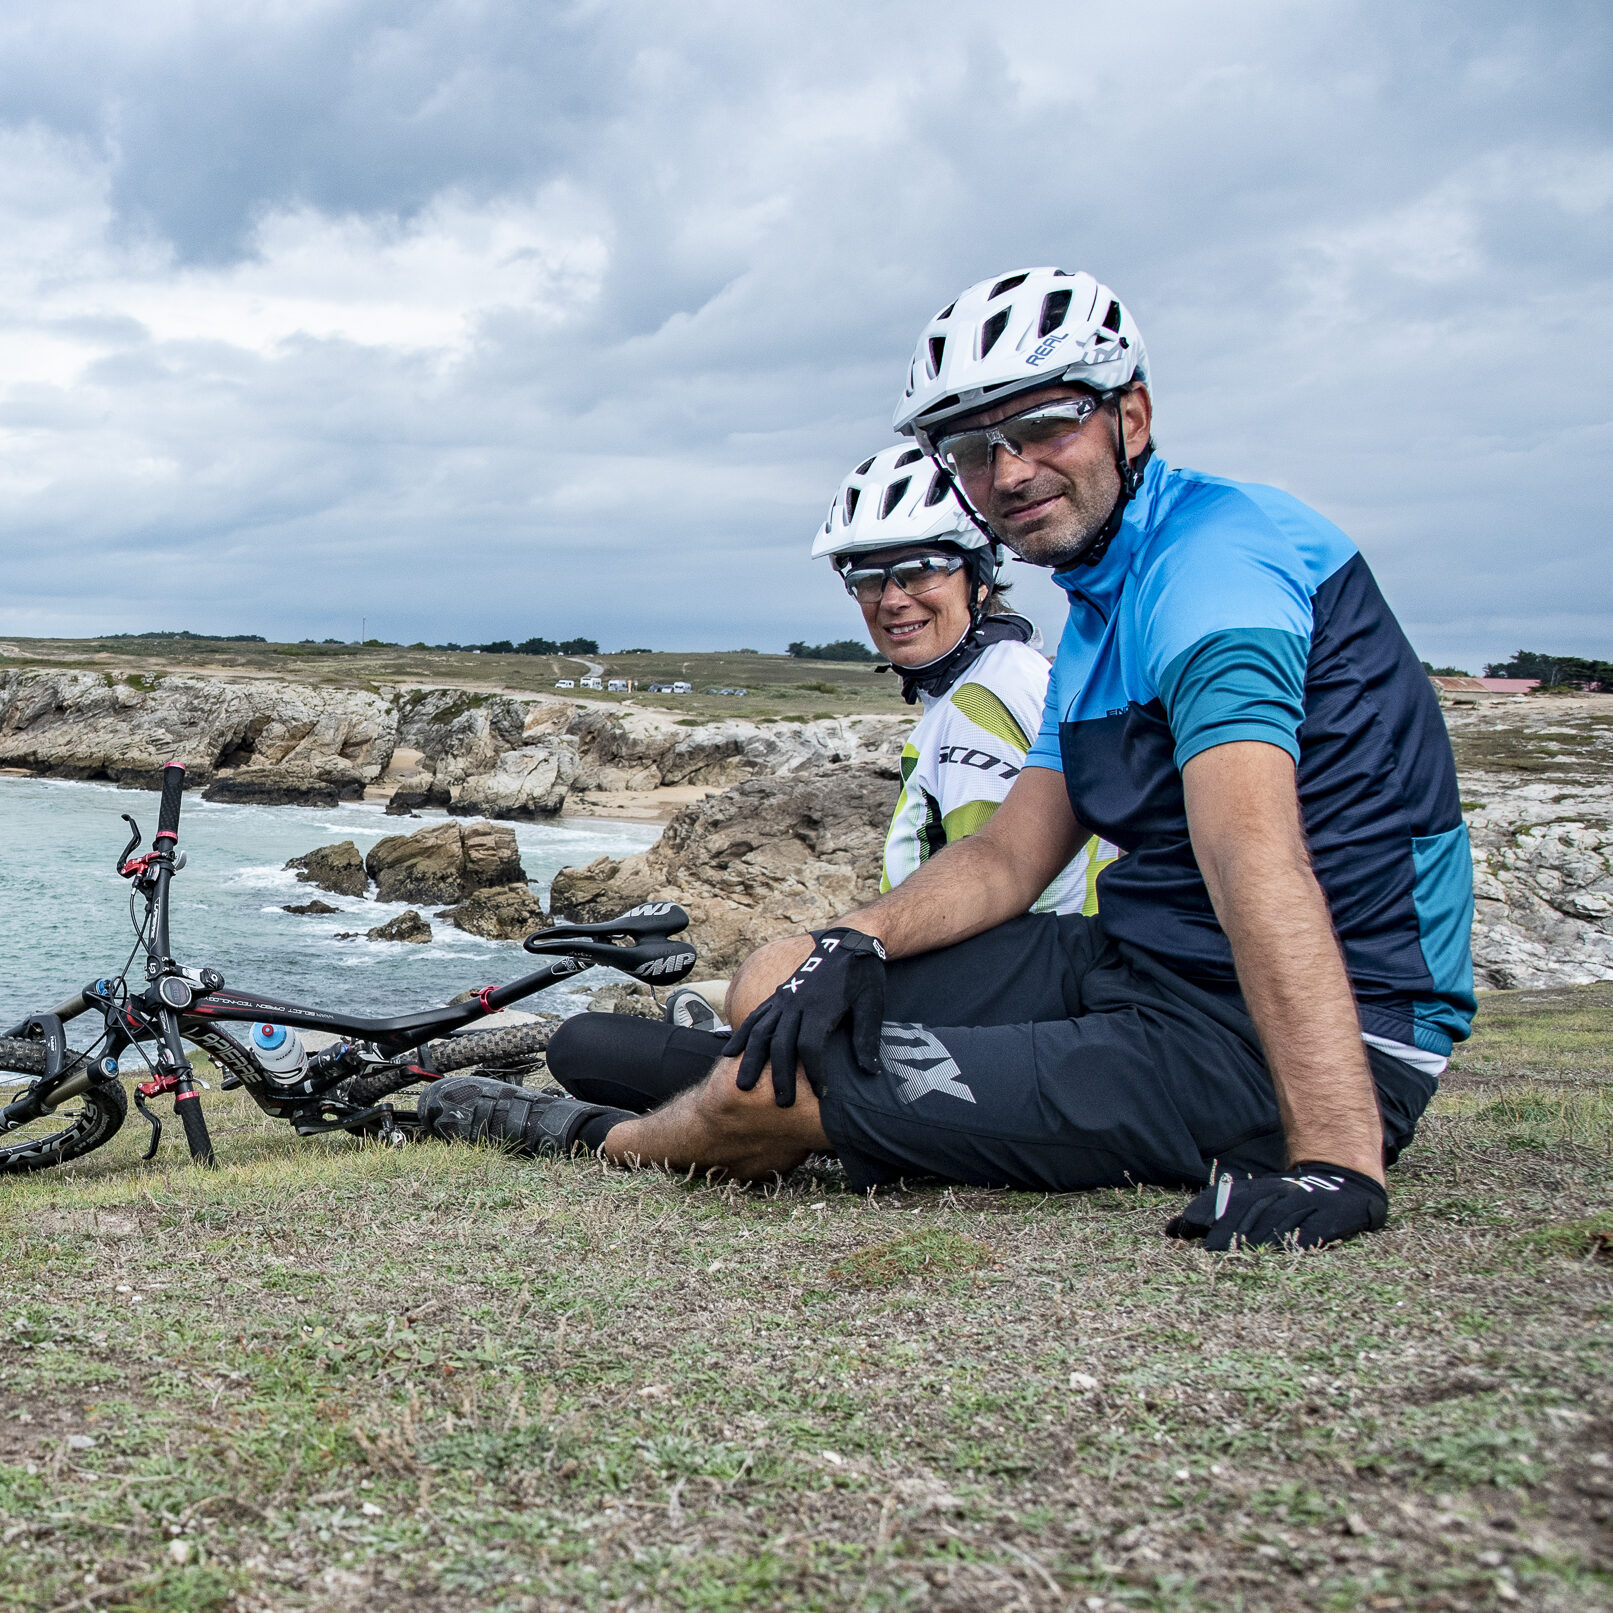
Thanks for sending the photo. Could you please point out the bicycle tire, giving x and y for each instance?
(507, 1044)
(102, 1108)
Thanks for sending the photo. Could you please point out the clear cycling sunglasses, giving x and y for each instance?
(921, 575)
(967, 454)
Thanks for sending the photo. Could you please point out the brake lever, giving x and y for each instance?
(134, 841)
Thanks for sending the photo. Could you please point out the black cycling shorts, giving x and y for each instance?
(1040, 1055)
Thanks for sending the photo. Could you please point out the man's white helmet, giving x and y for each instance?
(1013, 333)
(896, 497)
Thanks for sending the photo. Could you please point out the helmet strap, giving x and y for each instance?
(1131, 478)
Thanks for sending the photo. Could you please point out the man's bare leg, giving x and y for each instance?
(717, 1125)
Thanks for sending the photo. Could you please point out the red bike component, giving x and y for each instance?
(138, 865)
(159, 1085)
(483, 995)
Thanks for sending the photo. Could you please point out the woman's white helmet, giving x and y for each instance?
(1013, 333)
(896, 497)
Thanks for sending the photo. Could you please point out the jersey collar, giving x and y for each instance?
(1100, 585)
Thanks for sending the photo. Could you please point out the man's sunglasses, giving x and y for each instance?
(967, 454)
(923, 575)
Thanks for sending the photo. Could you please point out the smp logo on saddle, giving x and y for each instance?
(673, 963)
(1044, 349)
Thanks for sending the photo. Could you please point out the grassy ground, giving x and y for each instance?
(777, 686)
(332, 1377)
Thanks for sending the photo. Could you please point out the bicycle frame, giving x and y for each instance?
(179, 1002)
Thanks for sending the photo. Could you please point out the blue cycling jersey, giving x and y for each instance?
(1227, 611)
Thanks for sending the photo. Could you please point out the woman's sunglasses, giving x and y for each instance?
(922, 575)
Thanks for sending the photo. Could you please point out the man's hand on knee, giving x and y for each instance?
(841, 982)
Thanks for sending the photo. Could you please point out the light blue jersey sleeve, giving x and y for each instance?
(1223, 615)
(1044, 751)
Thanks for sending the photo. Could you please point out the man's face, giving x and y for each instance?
(1049, 505)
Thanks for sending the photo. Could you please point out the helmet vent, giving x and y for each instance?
(1055, 305)
(862, 469)
(894, 494)
(938, 345)
(939, 483)
(911, 457)
(991, 330)
(1005, 285)
(1111, 320)
(851, 504)
(946, 313)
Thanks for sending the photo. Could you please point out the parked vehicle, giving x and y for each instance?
(72, 1100)
(591, 683)
(565, 683)
(619, 685)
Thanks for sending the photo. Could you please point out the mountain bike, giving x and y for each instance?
(72, 1100)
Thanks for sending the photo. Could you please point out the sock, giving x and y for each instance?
(592, 1132)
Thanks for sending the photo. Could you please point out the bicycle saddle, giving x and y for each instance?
(636, 924)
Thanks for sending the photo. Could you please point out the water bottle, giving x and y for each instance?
(280, 1051)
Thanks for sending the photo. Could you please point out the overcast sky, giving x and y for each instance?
(494, 318)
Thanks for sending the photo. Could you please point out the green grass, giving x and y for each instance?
(444, 1379)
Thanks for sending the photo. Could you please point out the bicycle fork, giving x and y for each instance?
(175, 1075)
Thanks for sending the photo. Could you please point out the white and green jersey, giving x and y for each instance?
(958, 762)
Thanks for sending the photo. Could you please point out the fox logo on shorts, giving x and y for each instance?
(918, 1059)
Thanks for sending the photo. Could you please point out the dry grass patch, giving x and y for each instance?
(330, 1377)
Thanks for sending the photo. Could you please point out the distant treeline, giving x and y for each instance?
(531, 646)
(843, 649)
(1555, 670)
(203, 638)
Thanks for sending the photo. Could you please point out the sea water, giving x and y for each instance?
(64, 912)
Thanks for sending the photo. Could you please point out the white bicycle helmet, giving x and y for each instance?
(896, 497)
(1013, 333)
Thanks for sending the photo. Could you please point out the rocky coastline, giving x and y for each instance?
(279, 742)
(780, 824)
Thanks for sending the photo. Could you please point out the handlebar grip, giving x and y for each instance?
(173, 786)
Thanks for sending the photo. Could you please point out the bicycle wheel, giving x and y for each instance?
(80, 1126)
(509, 1052)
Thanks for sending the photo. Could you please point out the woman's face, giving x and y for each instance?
(913, 630)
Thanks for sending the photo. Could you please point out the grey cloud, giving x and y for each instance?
(1362, 242)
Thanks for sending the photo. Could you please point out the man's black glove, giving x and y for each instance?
(1310, 1204)
(843, 979)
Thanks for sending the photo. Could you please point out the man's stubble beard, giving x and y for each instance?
(1061, 543)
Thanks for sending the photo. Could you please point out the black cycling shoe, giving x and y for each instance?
(478, 1109)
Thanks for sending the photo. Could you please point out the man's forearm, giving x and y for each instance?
(965, 888)
(984, 880)
(1243, 814)
(1298, 994)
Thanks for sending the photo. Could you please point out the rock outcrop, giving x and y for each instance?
(1537, 782)
(763, 859)
(529, 782)
(314, 908)
(444, 862)
(272, 741)
(314, 740)
(501, 913)
(338, 868)
(405, 927)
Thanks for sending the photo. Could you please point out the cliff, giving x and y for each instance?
(481, 755)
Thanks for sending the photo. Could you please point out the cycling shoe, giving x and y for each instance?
(689, 1009)
(478, 1109)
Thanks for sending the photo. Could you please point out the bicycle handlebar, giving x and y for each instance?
(173, 787)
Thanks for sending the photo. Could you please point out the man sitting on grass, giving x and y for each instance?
(1281, 962)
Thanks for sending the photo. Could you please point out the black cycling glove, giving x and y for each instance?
(1309, 1205)
(843, 979)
